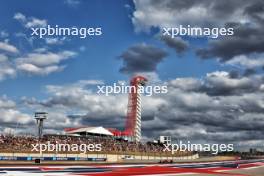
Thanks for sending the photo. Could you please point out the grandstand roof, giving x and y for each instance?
(93, 130)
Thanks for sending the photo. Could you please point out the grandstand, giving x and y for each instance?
(113, 141)
(113, 149)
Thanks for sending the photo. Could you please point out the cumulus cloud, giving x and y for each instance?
(43, 63)
(79, 104)
(84, 98)
(8, 48)
(189, 83)
(218, 108)
(256, 11)
(246, 17)
(192, 112)
(248, 36)
(246, 40)
(172, 13)
(141, 58)
(20, 17)
(11, 116)
(30, 22)
(33, 69)
(221, 107)
(40, 61)
(222, 83)
(72, 3)
(4, 34)
(6, 103)
(6, 68)
(249, 62)
(177, 43)
(55, 41)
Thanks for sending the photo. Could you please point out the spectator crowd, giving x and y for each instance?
(9, 143)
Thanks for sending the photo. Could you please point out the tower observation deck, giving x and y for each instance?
(133, 121)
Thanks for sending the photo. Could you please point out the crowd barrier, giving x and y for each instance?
(15, 158)
(99, 157)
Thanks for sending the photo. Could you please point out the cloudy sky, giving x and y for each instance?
(215, 86)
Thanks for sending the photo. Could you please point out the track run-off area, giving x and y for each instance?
(235, 168)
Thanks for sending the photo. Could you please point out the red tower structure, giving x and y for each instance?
(133, 121)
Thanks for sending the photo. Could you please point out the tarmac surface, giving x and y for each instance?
(231, 168)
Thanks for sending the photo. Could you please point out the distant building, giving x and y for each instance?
(165, 139)
(252, 151)
(87, 131)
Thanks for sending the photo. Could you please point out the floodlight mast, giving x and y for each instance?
(40, 117)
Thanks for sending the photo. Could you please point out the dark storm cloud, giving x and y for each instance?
(219, 8)
(222, 107)
(141, 58)
(249, 72)
(256, 10)
(195, 116)
(246, 17)
(222, 88)
(107, 121)
(220, 84)
(234, 74)
(187, 12)
(178, 44)
(246, 40)
(194, 113)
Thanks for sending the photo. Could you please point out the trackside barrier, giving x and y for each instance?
(14, 158)
(99, 157)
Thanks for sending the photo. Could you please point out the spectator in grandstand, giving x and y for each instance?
(109, 144)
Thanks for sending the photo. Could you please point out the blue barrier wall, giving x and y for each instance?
(50, 158)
